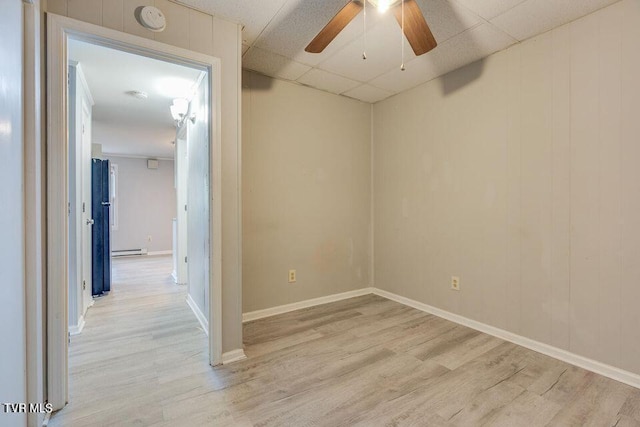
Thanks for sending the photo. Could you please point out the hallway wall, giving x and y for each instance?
(146, 204)
(13, 387)
(199, 247)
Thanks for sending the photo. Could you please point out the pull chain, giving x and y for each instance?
(364, 22)
(402, 37)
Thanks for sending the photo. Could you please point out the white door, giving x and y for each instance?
(87, 220)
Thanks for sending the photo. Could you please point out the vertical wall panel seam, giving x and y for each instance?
(372, 217)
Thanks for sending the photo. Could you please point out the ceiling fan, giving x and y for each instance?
(415, 27)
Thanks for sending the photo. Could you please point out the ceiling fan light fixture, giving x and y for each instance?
(407, 13)
(384, 5)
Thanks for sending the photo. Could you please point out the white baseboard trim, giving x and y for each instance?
(199, 315)
(77, 329)
(233, 356)
(281, 309)
(603, 369)
(169, 252)
(174, 275)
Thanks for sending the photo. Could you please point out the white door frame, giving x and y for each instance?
(59, 30)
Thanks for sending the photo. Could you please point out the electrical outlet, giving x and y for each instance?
(292, 276)
(455, 283)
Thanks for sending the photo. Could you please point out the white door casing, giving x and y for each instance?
(59, 30)
(87, 219)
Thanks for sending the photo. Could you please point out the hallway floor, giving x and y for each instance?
(138, 341)
(365, 361)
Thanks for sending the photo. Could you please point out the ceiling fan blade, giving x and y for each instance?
(416, 29)
(333, 28)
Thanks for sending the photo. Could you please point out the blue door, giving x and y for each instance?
(100, 245)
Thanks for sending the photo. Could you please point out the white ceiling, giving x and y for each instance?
(121, 123)
(277, 31)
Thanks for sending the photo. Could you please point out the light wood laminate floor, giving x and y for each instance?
(366, 361)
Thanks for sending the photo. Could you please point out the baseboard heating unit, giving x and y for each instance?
(129, 252)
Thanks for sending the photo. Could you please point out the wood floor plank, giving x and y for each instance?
(631, 407)
(366, 361)
(528, 409)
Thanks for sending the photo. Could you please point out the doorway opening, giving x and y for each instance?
(134, 165)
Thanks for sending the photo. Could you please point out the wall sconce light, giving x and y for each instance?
(179, 109)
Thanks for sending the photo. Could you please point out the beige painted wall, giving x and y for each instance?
(200, 32)
(524, 182)
(146, 205)
(306, 192)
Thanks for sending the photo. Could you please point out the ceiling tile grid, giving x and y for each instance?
(273, 64)
(329, 82)
(533, 17)
(276, 32)
(368, 93)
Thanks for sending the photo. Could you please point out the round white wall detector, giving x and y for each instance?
(152, 18)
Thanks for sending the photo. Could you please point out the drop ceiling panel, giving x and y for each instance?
(489, 9)
(534, 17)
(383, 50)
(463, 49)
(351, 32)
(447, 18)
(416, 72)
(253, 15)
(299, 22)
(277, 31)
(368, 93)
(272, 64)
(329, 82)
(469, 47)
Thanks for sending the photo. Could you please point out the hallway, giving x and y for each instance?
(138, 341)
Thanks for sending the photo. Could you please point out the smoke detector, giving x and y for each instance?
(151, 18)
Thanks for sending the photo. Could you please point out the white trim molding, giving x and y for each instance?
(557, 353)
(158, 253)
(77, 329)
(199, 315)
(34, 206)
(268, 312)
(233, 356)
(137, 156)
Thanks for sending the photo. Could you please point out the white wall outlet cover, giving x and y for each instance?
(151, 18)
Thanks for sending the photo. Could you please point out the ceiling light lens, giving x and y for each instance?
(138, 94)
(383, 5)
